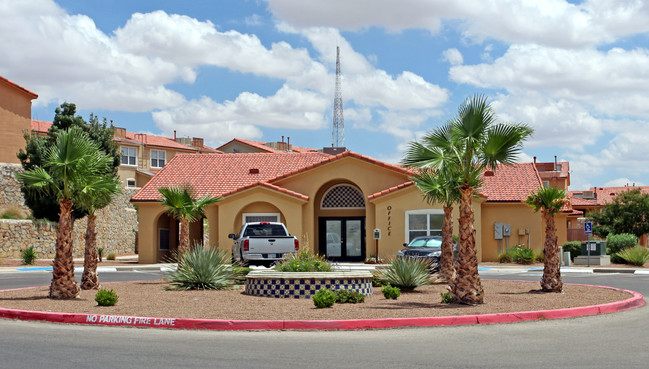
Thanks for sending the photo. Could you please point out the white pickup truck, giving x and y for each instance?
(262, 243)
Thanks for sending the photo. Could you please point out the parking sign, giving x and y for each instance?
(588, 227)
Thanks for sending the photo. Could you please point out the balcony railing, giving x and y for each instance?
(577, 234)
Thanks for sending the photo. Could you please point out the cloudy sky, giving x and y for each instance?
(576, 71)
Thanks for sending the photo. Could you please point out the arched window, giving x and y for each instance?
(343, 196)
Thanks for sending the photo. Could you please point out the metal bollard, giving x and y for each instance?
(566, 258)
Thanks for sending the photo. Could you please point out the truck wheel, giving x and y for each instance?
(241, 261)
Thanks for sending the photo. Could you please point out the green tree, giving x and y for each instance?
(442, 188)
(97, 194)
(549, 200)
(68, 167)
(626, 214)
(470, 143)
(36, 147)
(182, 206)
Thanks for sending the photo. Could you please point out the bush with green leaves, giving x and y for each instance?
(201, 269)
(100, 253)
(344, 296)
(106, 297)
(239, 273)
(637, 255)
(390, 292)
(518, 254)
(540, 257)
(324, 298)
(111, 256)
(29, 256)
(446, 297)
(303, 261)
(573, 247)
(618, 242)
(378, 280)
(407, 273)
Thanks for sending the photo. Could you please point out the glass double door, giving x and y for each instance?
(343, 238)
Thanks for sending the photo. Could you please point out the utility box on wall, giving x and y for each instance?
(498, 231)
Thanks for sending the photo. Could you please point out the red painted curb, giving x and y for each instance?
(635, 301)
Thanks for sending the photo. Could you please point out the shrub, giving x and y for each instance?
(446, 297)
(304, 261)
(540, 257)
(618, 242)
(239, 273)
(390, 292)
(100, 253)
(574, 247)
(106, 297)
(407, 273)
(637, 255)
(29, 256)
(349, 297)
(111, 256)
(324, 298)
(378, 280)
(201, 269)
(505, 257)
(13, 212)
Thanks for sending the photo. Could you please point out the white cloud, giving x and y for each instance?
(453, 56)
(551, 22)
(621, 182)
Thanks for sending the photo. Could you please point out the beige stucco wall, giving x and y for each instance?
(15, 117)
(519, 216)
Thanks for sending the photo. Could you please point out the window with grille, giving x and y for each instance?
(260, 217)
(343, 196)
(129, 155)
(158, 158)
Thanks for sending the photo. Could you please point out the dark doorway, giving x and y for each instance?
(342, 238)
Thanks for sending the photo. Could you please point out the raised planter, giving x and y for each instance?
(301, 285)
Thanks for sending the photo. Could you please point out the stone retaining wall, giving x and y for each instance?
(116, 224)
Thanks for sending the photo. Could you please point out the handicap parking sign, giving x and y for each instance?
(588, 227)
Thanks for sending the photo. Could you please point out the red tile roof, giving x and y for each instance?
(19, 87)
(270, 186)
(602, 195)
(262, 146)
(41, 126)
(390, 190)
(511, 183)
(221, 174)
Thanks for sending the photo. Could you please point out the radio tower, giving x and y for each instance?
(338, 134)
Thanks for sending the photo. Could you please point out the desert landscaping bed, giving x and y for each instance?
(148, 298)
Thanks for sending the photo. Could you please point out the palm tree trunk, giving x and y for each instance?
(447, 262)
(184, 236)
(551, 281)
(64, 286)
(466, 288)
(89, 279)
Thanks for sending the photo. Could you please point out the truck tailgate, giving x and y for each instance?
(275, 245)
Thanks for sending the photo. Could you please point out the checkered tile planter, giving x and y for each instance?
(303, 285)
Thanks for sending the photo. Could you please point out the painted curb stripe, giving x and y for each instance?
(635, 301)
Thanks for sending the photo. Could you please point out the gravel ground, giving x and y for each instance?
(150, 299)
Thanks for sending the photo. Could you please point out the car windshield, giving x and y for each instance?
(426, 242)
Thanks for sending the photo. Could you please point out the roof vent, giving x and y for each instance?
(489, 173)
(589, 194)
(253, 171)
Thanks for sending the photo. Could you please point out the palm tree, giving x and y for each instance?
(470, 143)
(549, 201)
(442, 188)
(181, 205)
(94, 196)
(68, 167)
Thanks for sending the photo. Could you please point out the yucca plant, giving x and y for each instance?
(635, 255)
(29, 256)
(201, 269)
(407, 273)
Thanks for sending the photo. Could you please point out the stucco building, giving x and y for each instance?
(333, 203)
(15, 118)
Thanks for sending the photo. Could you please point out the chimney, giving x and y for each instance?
(282, 139)
(288, 141)
(197, 142)
(174, 135)
(555, 163)
(535, 160)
